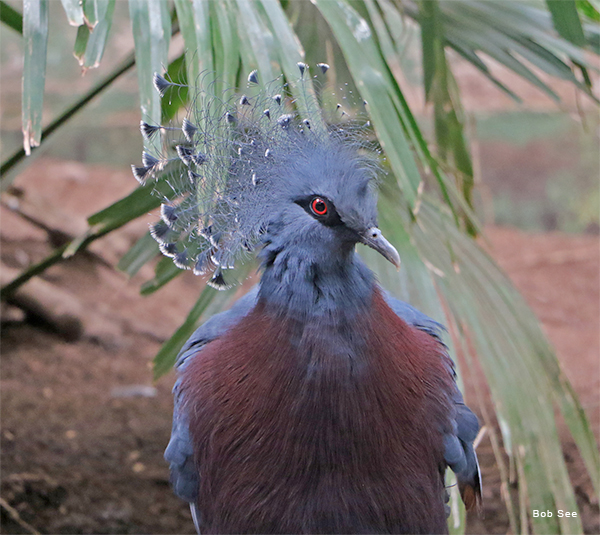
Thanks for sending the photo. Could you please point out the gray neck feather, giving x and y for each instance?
(300, 283)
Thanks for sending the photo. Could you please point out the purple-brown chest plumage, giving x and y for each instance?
(320, 428)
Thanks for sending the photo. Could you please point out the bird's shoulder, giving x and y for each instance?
(414, 317)
(216, 327)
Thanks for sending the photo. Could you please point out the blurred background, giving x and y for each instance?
(84, 424)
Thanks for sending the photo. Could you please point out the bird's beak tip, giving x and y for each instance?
(375, 239)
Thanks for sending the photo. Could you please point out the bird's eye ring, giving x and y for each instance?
(318, 206)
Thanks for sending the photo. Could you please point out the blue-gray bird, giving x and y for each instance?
(318, 403)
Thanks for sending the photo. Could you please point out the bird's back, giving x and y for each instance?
(320, 427)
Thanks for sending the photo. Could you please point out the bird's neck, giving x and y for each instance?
(302, 285)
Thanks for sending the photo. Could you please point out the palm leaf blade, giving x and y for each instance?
(566, 20)
(97, 38)
(141, 252)
(194, 24)
(35, 36)
(152, 32)
(11, 17)
(74, 11)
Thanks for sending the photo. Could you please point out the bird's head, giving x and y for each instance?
(329, 201)
(263, 170)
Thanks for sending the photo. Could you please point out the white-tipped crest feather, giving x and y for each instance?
(228, 163)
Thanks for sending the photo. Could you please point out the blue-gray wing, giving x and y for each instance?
(179, 453)
(458, 440)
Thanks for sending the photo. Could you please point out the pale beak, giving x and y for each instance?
(375, 240)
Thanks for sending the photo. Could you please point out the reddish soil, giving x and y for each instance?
(76, 458)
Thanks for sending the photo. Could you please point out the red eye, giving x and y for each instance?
(318, 206)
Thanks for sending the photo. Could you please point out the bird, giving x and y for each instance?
(318, 403)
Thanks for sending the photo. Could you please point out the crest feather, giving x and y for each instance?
(228, 166)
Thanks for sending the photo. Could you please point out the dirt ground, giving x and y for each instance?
(84, 427)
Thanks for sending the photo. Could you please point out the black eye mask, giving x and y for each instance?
(322, 209)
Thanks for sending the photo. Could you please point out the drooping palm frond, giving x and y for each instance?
(446, 273)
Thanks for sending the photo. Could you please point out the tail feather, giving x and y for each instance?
(195, 517)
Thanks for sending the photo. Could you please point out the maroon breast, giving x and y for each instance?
(331, 427)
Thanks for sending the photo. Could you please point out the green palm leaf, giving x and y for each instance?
(35, 36)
